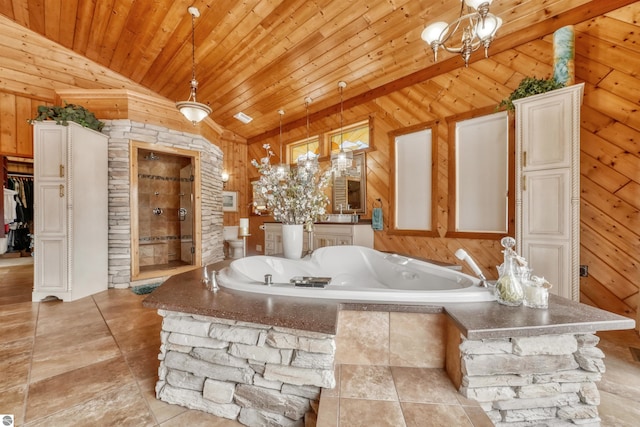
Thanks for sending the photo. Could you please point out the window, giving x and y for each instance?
(413, 181)
(354, 137)
(298, 149)
(479, 147)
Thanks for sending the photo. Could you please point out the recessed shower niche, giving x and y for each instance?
(165, 210)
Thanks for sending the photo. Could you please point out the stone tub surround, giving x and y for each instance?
(256, 374)
(372, 334)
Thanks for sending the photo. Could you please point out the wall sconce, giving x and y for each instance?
(225, 178)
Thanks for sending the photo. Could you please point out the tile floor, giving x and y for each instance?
(94, 362)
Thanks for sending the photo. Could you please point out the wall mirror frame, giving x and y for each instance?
(349, 192)
(481, 175)
(414, 152)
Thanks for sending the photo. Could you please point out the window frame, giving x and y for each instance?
(393, 228)
(452, 202)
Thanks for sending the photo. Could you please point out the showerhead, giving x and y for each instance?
(151, 156)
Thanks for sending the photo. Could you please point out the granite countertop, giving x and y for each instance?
(482, 320)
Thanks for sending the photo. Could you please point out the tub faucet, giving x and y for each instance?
(462, 255)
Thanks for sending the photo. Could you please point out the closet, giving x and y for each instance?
(16, 206)
(70, 211)
(548, 186)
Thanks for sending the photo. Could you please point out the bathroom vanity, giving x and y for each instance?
(248, 356)
(324, 234)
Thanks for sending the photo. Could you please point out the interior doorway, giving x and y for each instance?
(165, 210)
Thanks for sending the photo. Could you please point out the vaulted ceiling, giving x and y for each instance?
(258, 56)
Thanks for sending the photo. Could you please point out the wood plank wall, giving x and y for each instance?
(608, 60)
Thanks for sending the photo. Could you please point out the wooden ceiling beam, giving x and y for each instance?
(573, 16)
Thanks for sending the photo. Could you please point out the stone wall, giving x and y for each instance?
(121, 133)
(544, 380)
(256, 374)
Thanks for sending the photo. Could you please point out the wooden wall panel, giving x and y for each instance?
(610, 157)
(607, 59)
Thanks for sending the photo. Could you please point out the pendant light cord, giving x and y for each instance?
(193, 48)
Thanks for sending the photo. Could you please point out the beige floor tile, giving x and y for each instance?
(27, 309)
(17, 325)
(617, 411)
(140, 338)
(367, 382)
(424, 385)
(55, 316)
(12, 401)
(427, 414)
(71, 388)
(370, 413)
(144, 363)
(54, 357)
(15, 361)
(122, 406)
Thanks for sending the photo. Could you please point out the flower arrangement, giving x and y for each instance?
(295, 197)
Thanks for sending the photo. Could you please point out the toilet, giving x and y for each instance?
(235, 244)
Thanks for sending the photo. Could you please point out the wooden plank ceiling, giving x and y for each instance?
(258, 56)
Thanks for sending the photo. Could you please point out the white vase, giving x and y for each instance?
(292, 240)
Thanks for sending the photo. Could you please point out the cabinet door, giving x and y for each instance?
(547, 133)
(51, 215)
(50, 152)
(50, 265)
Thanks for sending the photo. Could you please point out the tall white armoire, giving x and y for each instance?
(70, 211)
(548, 186)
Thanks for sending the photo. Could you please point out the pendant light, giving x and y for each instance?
(282, 169)
(342, 160)
(308, 164)
(193, 110)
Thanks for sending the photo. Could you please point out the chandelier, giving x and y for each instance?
(342, 160)
(478, 27)
(309, 163)
(194, 111)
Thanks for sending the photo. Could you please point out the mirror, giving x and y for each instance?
(350, 190)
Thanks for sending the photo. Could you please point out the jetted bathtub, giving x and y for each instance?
(358, 274)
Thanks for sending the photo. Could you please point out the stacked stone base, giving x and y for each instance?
(544, 380)
(256, 374)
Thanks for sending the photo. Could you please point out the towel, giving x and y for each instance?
(376, 219)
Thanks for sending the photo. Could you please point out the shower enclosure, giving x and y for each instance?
(164, 211)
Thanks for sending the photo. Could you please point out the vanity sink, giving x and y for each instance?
(350, 218)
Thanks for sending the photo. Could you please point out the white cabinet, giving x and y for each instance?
(70, 211)
(548, 186)
(323, 235)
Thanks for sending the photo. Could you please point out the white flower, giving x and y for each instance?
(297, 198)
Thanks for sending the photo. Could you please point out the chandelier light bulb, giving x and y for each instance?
(433, 32)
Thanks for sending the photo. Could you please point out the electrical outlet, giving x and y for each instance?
(258, 248)
(584, 271)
